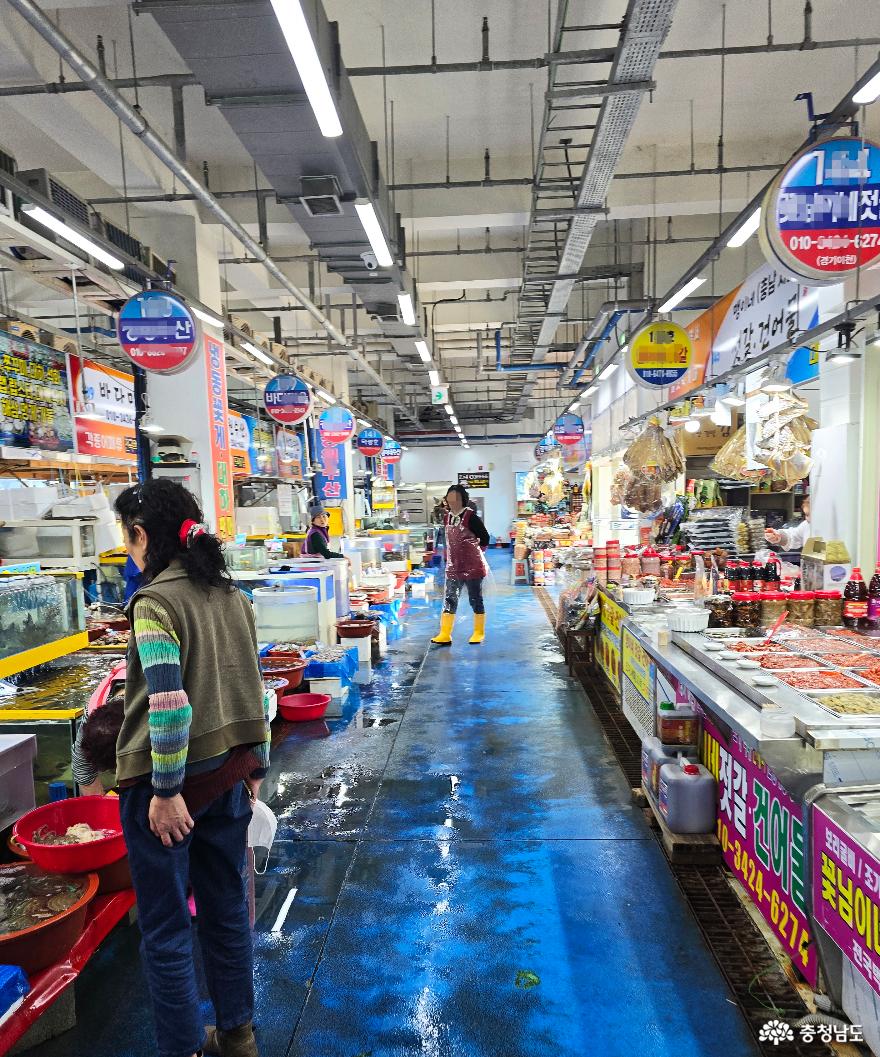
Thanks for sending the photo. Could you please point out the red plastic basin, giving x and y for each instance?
(291, 671)
(355, 629)
(41, 945)
(100, 812)
(296, 708)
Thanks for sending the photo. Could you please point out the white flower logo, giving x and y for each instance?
(776, 1031)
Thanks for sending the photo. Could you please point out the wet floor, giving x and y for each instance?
(458, 873)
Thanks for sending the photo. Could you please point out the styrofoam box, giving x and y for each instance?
(17, 755)
(22, 504)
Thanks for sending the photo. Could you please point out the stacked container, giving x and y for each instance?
(614, 560)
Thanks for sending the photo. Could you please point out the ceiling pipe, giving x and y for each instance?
(428, 185)
(601, 55)
(134, 120)
(162, 80)
(526, 368)
(841, 115)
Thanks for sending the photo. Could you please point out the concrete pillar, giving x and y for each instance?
(182, 403)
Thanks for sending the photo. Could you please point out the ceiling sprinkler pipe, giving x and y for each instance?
(134, 120)
(525, 368)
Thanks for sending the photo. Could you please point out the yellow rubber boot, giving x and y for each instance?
(444, 635)
(479, 629)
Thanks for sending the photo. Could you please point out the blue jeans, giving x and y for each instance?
(212, 859)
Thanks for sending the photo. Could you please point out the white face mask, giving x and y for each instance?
(261, 831)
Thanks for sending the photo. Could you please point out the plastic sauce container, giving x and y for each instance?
(677, 725)
(688, 797)
(773, 605)
(828, 609)
(654, 756)
(746, 610)
(802, 608)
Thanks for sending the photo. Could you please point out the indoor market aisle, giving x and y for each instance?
(458, 872)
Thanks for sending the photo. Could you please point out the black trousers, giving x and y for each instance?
(453, 590)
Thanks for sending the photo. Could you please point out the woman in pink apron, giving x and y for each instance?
(466, 538)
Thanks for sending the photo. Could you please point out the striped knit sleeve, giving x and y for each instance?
(170, 713)
(83, 772)
(261, 751)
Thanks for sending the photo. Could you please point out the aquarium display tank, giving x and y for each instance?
(36, 610)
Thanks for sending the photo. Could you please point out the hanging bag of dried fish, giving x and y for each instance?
(653, 454)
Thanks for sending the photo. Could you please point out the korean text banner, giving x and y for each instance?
(111, 393)
(221, 454)
(761, 832)
(251, 446)
(330, 460)
(846, 895)
(34, 396)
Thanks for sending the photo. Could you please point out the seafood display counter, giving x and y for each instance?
(790, 730)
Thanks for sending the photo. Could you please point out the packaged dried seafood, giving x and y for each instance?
(655, 455)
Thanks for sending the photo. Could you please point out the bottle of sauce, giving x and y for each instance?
(757, 576)
(772, 573)
(855, 600)
(872, 620)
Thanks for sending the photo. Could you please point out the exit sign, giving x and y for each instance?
(440, 394)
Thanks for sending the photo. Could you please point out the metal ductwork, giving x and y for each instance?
(258, 90)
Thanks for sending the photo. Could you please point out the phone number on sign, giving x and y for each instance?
(782, 915)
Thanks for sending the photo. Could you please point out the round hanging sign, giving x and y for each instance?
(391, 451)
(544, 447)
(821, 215)
(569, 428)
(287, 399)
(370, 442)
(288, 447)
(157, 331)
(659, 354)
(336, 425)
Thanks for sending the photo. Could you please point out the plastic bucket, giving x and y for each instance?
(100, 812)
(297, 708)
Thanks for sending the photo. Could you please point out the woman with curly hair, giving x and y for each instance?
(192, 751)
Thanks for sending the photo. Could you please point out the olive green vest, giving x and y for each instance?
(220, 667)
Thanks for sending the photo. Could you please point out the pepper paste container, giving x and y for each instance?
(688, 797)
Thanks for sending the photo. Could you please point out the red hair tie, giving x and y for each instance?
(190, 530)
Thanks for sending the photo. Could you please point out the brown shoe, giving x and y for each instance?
(239, 1042)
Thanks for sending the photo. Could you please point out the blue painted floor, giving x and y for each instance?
(470, 878)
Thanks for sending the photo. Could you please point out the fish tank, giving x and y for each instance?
(37, 610)
(246, 558)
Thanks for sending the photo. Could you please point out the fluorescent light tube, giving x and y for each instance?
(745, 231)
(453, 420)
(324, 395)
(590, 391)
(869, 91)
(732, 400)
(298, 37)
(423, 351)
(370, 222)
(681, 294)
(577, 403)
(206, 317)
(407, 312)
(363, 422)
(434, 377)
(257, 353)
(73, 236)
(692, 425)
(448, 408)
(607, 371)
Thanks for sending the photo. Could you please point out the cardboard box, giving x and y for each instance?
(825, 565)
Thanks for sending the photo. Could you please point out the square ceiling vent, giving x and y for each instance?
(321, 196)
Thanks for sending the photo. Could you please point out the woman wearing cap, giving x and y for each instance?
(192, 751)
(466, 538)
(318, 537)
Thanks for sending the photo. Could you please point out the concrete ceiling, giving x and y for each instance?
(678, 125)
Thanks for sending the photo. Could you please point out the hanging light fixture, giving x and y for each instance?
(692, 425)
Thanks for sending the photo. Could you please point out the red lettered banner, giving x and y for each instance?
(221, 451)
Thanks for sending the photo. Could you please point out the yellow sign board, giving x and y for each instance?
(608, 656)
(637, 665)
(659, 354)
(612, 614)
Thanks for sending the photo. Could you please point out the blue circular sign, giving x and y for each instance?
(287, 399)
(544, 447)
(157, 332)
(370, 442)
(391, 451)
(336, 425)
(568, 428)
(821, 215)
